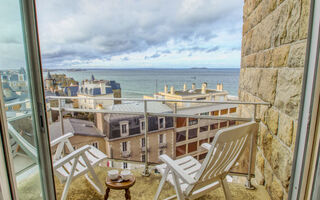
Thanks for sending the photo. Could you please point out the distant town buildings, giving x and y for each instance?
(193, 93)
(98, 88)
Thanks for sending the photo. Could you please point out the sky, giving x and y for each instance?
(131, 33)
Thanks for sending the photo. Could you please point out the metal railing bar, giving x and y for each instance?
(16, 103)
(161, 100)
(19, 117)
(154, 114)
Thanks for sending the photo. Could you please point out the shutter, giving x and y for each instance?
(121, 147)
(164, 138)
(129, 146)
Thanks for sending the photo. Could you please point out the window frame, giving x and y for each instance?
(126, 124)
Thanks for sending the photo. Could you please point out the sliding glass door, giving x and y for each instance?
(24, 139)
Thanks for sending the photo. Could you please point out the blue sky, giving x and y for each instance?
(139, 33)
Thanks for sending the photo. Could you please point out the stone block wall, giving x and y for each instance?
(273, 56)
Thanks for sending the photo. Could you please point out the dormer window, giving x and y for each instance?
(161, 122)
(124, 128)
(142, 125)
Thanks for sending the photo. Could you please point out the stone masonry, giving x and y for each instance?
(273, 55)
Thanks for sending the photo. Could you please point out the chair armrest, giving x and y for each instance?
(206, 146)
(70, 156)
(60, 139)
(177, 169)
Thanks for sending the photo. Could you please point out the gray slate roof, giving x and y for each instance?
(75, 126)
(153, 107)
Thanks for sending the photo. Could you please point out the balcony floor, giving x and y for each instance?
(144, 189)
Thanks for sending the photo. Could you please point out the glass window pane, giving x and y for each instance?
(203, 128)
(181, 122)
(18, 109)
(193, 146)
(224, 111)
(214, 126)
(181, 136)
(223, 124)
(192, 133)
(180, 150)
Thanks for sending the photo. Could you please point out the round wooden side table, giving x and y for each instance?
(125, 185)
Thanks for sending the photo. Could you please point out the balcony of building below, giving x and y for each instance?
(144, 188)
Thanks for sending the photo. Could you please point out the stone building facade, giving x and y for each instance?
(273, 55)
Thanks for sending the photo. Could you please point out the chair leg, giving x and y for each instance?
(225, 188)
(66, 187)
(163, 180)
(95, 182)
(180, 196)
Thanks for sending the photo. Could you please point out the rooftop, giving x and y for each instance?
(75, 126)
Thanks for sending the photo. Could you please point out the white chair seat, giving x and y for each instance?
(77, 163)
(188, 164)
(191, 179)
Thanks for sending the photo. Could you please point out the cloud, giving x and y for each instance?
(96, 31)
(156, 55)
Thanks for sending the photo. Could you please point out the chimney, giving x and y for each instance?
(100, 119)
(193, 87)
(171, 90)
(184, 87)
(204, 88)
(221, 87)
(166, 89)
(218, 87)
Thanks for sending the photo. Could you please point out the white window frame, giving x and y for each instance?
(164, 123)
(95, 144)
(124, 165)
(142, 129)
(126, 123)
(143, 144)
(161, 136)
(124, 144)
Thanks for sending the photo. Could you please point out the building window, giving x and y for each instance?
(160, 152)
(202, 156)
(232, 123)
(143, 157)
(203, 128)
(181, 150)
(124, 128)
(192, 133)
(224, 112)
(211, 139)
(181, 122)
(125, 165)
(223, 124)
(181, 136)
(160, 138)
(95, 144)
(203, 141)
(143, 142)
(193, 146)
(215, 113)
(201, 99)
(161, 122)
(233, 110)
(193, 121)
(124, 146)
(214, 126)
(142, 125)
(205, 113)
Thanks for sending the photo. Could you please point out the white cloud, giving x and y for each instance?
(125, 33)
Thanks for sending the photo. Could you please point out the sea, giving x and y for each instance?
(135, 83)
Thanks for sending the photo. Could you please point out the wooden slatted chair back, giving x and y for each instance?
(226, 149)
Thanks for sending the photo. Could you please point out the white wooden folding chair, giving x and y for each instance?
(77, 163)
(191, 179)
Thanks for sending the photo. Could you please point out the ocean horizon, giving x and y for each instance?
(137, 82)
